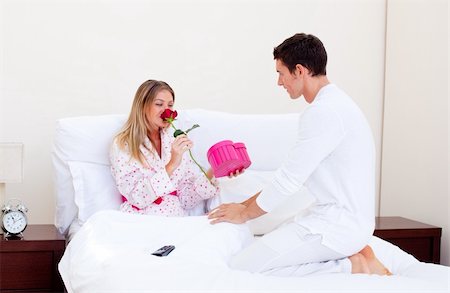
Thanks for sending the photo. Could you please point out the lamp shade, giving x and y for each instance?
(11, 162)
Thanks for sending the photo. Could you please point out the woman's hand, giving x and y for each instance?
(236, 173)
(210, 173)
(180, 145)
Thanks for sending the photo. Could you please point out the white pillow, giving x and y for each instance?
(268, 138)
(95, 189)
(240, 188)
(248, 184)
(83, 139)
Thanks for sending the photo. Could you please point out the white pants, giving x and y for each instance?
(290, 250)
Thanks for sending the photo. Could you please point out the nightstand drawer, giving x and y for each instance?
(31, 264)
(421, 240)
(27, 270)
(420, 248)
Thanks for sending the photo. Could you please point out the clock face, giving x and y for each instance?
(14, 222)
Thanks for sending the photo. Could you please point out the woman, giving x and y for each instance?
(149, 165)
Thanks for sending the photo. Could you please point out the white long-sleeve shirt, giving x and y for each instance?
(334, 157)
(149, 189)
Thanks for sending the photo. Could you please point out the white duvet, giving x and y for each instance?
(112, 253)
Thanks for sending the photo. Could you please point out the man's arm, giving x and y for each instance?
(253, 210)
(250, 200)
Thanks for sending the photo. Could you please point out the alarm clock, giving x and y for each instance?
(14, 219)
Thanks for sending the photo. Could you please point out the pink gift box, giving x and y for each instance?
(227, 157)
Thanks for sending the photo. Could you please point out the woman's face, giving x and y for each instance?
(162, 101)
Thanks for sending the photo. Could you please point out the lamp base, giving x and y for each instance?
(2, 200)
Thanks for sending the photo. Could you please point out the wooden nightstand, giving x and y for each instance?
(31, 264)
(421, 240)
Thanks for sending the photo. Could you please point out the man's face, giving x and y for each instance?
(291, 82)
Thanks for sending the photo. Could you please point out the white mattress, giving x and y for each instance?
(111, 252)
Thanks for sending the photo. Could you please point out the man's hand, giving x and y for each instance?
(229, 212)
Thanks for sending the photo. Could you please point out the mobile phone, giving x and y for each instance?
(164, 251)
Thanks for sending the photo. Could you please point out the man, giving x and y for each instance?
(334, 157)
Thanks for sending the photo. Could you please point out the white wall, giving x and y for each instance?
(415, 166)
(66, 58)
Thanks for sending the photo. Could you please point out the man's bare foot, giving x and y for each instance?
(359, 264)
(374, 264)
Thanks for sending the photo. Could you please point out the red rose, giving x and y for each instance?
(169, 115)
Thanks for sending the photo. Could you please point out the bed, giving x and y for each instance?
(110, 251)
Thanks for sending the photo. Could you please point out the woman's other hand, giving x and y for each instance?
(236, 173)
(210, 173)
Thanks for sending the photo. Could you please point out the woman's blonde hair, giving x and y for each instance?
(135, 129)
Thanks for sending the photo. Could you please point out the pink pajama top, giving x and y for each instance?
(149, 189)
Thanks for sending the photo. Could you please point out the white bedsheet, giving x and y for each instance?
(112, 253)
